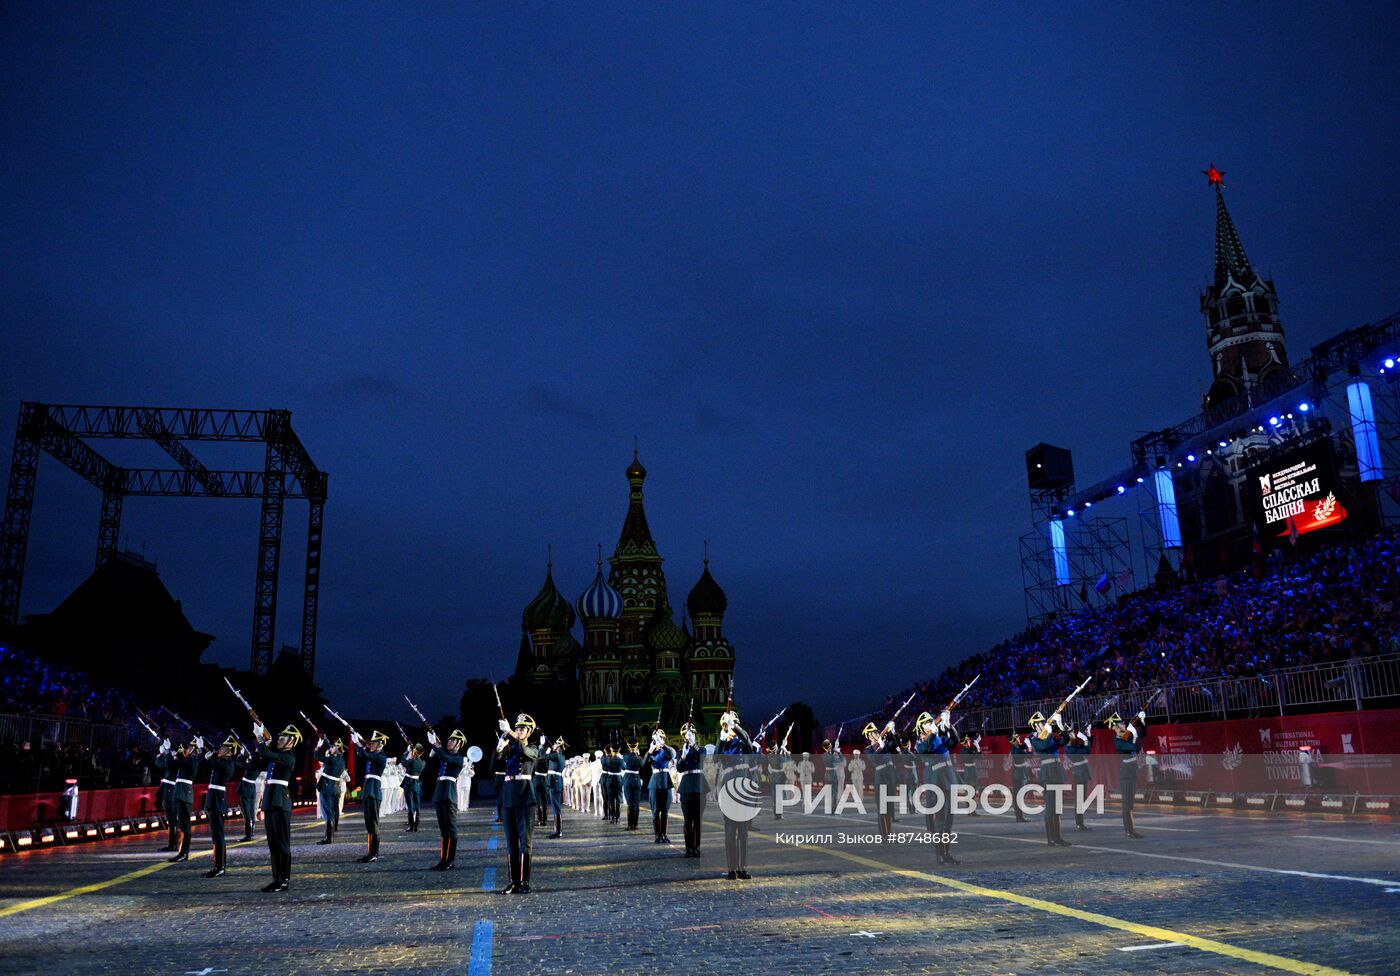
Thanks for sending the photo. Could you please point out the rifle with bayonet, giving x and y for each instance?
(265, 736)
(1044, 732)
(354, 736)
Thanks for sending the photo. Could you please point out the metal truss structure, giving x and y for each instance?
(1097, 549)
(62, 431)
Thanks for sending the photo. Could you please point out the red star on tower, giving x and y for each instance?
(1214, 175)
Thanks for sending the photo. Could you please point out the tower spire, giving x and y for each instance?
(1230, 259)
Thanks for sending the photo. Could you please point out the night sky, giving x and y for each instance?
(834, 267)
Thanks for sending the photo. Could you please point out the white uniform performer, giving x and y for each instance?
(595, 784)
(805, 769)
(857, 769)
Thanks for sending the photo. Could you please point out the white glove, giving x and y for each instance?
(501, 743)
(258, 730)
(690, 738)
(164, 745)
(1058, 721)
(944, 717)
(199, 743)
(1142, 716)
(504, 726)
(355, 738)
(432, 739)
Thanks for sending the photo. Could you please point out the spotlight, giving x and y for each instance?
(1273, 421)
(1304, 407)
(1389, 363)
(1224, 444)
(1070, 513)
(1121, 489)
(1139, 481)
(1191, 457)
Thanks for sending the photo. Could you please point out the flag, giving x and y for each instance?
(1258, 545)
(1125, 578)
(1292, 531)
(1102, 586)
(1084, 592)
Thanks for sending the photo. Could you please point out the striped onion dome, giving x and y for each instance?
(600, 601)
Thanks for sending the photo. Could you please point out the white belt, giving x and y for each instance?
(453, 779)
(555, 772)
(215, 786)
(167, 782)
(541, 774)
(1080, 762)
(373, 776)
(409, 777)
(508, 777)
(1130, 759)
(185, 781)
(689, 771)
(631, 772)
(277, 782)
(609, 773)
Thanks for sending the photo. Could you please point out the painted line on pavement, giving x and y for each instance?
(491, 843)
(1349, 840)
(1155, 945)
(33, 903)
(480, 964)
(488, 879)
(1268, 959)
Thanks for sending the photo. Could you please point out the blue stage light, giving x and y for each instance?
(1070, 513)
(1389, 363)
(1191, 457)
(1224, 443)
(1304, 407)
(1273, 421)
(1139, 481)
(1121, 489)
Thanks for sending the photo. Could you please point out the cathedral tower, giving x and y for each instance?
(709, 661)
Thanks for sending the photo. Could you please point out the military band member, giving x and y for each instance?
(690, 764)
(660, 760)
(413, 766)
(1080, 744)
(518, 759)
(220, 767)
(882, 746)
(450, 763)
(499, 779)
(248, 794)
(777, 776)
(1020, 772)
(1126, 740)
(554, 783)
(372, 792)
(936, 736)
(632, 782)
(737, 749)
(331, 756)
(185, 763)
(277, 800)
(1046, 739)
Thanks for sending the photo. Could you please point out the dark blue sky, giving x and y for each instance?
(835, 267)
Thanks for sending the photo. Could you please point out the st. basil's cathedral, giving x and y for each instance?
(635, 663)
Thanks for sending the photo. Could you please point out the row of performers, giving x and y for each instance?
(531, 776)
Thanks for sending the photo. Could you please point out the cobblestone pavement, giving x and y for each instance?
(1303, 895)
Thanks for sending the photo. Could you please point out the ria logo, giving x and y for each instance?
(1266, 484)
(739, 798)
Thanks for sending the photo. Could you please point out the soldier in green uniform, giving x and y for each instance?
(220, 767)
(833, 768)
(541, 783)
(517, 759)
(1046, 739)
(1127, 743)
(1080, 744)
(736, 747)
(277, 800)
(450, 763)
(1020, 772)
(372, 792)
(660, 759)
(248, 792)
(612, 784)
(331, 755)
(554, 783)
(882, 746)
(185, 762)
(413, 766)
(632, 782)
(165, 794)
(970, 750)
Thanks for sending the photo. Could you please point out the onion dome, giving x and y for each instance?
(548, 610)
(665, 635)
(600, 601)
(635, 471)
(706, 598)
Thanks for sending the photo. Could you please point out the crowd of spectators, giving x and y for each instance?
(57, 723)
(1336, 603)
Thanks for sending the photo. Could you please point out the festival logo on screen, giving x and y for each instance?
(1297, 494)
(1346, 742)
(1265, 738)
(1233, 757)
